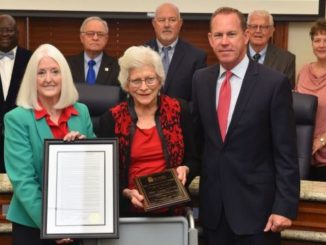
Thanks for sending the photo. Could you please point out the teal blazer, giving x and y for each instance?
(24, 145)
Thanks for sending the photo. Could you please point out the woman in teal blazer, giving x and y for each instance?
(47, 108)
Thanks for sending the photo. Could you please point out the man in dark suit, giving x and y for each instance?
(94, 34)
(249, 184)
(13, 61)
(260, 25)
(184, 58)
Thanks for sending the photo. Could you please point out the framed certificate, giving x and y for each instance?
(80, 189)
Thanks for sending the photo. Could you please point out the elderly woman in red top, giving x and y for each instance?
(154, 130)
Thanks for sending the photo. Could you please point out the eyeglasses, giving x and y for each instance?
(91, 34)
(149, 81)
(261, 27)
(4, 31)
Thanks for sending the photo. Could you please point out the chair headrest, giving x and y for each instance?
(98, 98)
(304, 106)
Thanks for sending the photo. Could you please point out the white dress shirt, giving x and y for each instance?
(238, 73)
(96, 67)
(6, 67)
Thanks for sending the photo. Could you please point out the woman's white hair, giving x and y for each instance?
(27, 95)
(137, 57)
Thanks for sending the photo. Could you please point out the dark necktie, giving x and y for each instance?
(91, 78)
(223, 106)
(10, 55)
(166, 59)
(256, 57)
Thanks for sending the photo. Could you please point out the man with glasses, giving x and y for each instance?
(260, 29)
(93, 65)
(180, 59)
(13, 61)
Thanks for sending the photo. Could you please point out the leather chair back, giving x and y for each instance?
(305, 107)
(98, 98)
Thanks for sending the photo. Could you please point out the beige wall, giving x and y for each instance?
(300, 43)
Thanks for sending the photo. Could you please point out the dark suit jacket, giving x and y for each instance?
(282, 61)
(107, 74)
(21, 60)
(254, 173)
(185, 61)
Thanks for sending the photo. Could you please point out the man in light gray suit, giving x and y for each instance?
(260, 26)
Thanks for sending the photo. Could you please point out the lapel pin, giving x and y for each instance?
(106, 69)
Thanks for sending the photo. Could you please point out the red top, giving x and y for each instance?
(146, 154)
(61, 129)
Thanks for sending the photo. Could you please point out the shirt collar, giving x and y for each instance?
(239, 70)
(172, 45)
(97, 59)
(252, 52)
(66, 112)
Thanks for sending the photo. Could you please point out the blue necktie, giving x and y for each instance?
(166, 59)
(10, 55)
(91, 78)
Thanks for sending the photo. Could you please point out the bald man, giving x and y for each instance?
(183, 58)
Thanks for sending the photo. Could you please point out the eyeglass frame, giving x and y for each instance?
(259, 27)
(91, 34)
(149, 81)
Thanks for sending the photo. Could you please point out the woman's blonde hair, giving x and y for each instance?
(27, 95)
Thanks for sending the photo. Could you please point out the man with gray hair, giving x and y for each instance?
(260, 26)
(93, 65)
(180, 58)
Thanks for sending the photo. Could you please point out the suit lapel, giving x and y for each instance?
(104, 71)
(270, 56)
(245, 94)
(42, 128)
(17, 72)
(210, 97)
(2, 100)
(80, 65)
(153, 45)
(177, 58)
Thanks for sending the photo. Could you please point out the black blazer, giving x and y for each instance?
(282, 61)
(254, 173)
(185, 61)
(21, 60)
(107, 74)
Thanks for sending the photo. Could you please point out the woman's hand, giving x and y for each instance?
(182, 172)
(73, 135)
(318, 143)
(134, 196)
(64, 241)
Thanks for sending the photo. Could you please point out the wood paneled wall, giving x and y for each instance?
(64, 34)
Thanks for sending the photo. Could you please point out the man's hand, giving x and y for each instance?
(277, 223)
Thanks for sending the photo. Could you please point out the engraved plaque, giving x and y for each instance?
(161, 190)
